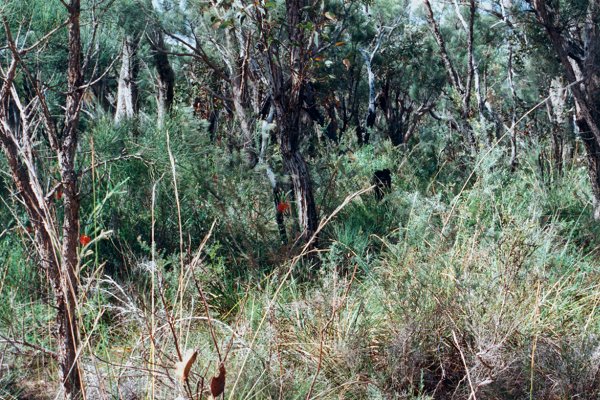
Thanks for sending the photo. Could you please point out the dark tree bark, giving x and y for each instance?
(305, 204)
(592, 148)
(453, 76)
(165, 76)
(68, 330)
(332, 126)
(310, 104)
(399, 111)
(289, 135)
(287, 99)
(56, 253)
(579, 54)
(278, 193)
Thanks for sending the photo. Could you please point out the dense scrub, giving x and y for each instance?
(195, 199)
(464, 278)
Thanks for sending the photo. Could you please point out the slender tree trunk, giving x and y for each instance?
(165, 76)
(242, 117)
(68, 329)
(453, 76)
(303, 192)
(514, 158)
(370, 118)
(127, 95)
(463, 125)
(287, 100)
(238, 67)
(275, 187)
(593, 158)
(584, 77)
(295, 166)
(57, 255)
(332, 127)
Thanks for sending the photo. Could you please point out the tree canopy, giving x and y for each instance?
(281, 199)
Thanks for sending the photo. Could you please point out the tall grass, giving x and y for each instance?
(477, 283)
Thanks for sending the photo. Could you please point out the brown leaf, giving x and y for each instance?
(346, 63)
(183, 367)
(217, 383)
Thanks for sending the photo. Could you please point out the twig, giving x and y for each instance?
(462, 357)
(202, 295)
(15, 342)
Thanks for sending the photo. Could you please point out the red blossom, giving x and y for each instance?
(282, 207)
(84, 240)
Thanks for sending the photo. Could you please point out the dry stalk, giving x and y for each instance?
(334, 311)
(305, 250)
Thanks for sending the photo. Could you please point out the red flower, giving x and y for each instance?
(282, 207)
(84, 240)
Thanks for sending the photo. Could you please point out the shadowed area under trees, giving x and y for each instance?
(299, 199)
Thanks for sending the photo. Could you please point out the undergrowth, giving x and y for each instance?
(459, 283)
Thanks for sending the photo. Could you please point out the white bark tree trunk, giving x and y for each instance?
(127, 95)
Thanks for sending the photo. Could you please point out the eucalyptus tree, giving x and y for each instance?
(573, 31)
(266, 55)
(384, 31)
(291, 39)
(461, 83)
(41, 136)
(133, 30)
(219, 44)
(165, 75)
(411, 83)
(386, 19)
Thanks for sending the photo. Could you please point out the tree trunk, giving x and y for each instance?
(370, 118)
(584, 78)
(67, 304)
(239, 109)
(295, 166)
(275, 187)
(127, 95)
(305, 203)
(57, 255)
(332, 126)
(67, 295)
(463, 125)
(165, 77)
(287, 99)
(593, 158)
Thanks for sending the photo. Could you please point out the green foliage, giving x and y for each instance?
(465, 265)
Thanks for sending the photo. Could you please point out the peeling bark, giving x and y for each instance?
(584, 78)
(127, 95)
(275, 187)
(593, 159)
(287, 100)
(56, 253)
